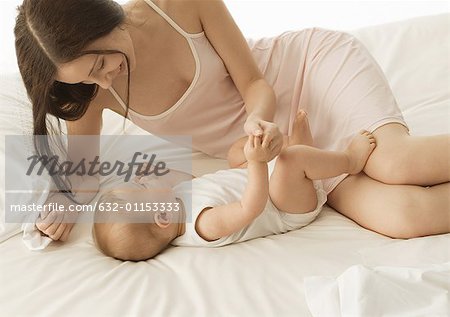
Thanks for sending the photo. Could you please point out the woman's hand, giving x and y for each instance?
(58, 217)
(272, 137)
(56, 224)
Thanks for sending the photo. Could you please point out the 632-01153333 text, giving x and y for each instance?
(103, 206)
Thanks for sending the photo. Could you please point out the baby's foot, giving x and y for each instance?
(301, 133)
(359, 150)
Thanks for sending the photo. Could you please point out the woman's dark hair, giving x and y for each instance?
(52, 32)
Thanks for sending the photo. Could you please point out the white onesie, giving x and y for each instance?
(227, 186)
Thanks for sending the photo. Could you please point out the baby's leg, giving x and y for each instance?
(291, 188)
(236, 157)
(307, 199)
(301, 133)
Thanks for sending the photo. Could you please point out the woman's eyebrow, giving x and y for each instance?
(93, 66)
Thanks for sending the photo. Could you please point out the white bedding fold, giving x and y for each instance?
(381, 291)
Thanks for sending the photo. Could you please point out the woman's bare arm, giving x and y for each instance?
(58, 224)
(233, 49)
(84, 143)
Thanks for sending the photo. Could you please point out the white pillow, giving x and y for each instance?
(414, 55)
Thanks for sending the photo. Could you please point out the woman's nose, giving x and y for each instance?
(105, 80)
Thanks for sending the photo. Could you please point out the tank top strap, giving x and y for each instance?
(118, 98)
(169, 20)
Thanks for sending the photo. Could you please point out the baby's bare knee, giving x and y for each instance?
(291, 156)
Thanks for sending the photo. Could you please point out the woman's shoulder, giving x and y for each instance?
(185, 13)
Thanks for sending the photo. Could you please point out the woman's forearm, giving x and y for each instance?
(85, 187)
(260, 100)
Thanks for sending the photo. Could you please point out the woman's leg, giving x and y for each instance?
(403, 159)
(397, 211)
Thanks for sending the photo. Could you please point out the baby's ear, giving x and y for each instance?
(163, 219)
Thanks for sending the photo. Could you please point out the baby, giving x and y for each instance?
(232, 205)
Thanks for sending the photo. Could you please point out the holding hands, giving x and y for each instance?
(268, 132)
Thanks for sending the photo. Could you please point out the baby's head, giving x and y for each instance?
(133, 236)
(128, 241)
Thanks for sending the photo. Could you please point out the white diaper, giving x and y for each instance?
(297, 221)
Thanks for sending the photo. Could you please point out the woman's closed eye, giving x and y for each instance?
(102, 65)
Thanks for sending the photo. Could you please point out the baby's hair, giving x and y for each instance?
(124, 240)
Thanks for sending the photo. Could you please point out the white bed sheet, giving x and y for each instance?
(263, 277)
(381, 291)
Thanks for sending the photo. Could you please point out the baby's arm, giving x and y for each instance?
(216, 222)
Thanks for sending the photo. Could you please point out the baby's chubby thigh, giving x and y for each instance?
(289, 189)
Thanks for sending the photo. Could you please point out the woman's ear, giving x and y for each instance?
(163, 219)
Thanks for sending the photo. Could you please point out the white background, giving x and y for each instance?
(258, 18)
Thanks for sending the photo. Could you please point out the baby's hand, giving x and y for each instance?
(254, 151)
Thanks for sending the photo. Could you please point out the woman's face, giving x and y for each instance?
(101, 69)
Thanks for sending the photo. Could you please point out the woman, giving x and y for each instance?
(78, 57)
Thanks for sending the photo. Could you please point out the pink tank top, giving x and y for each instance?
(211, 110)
